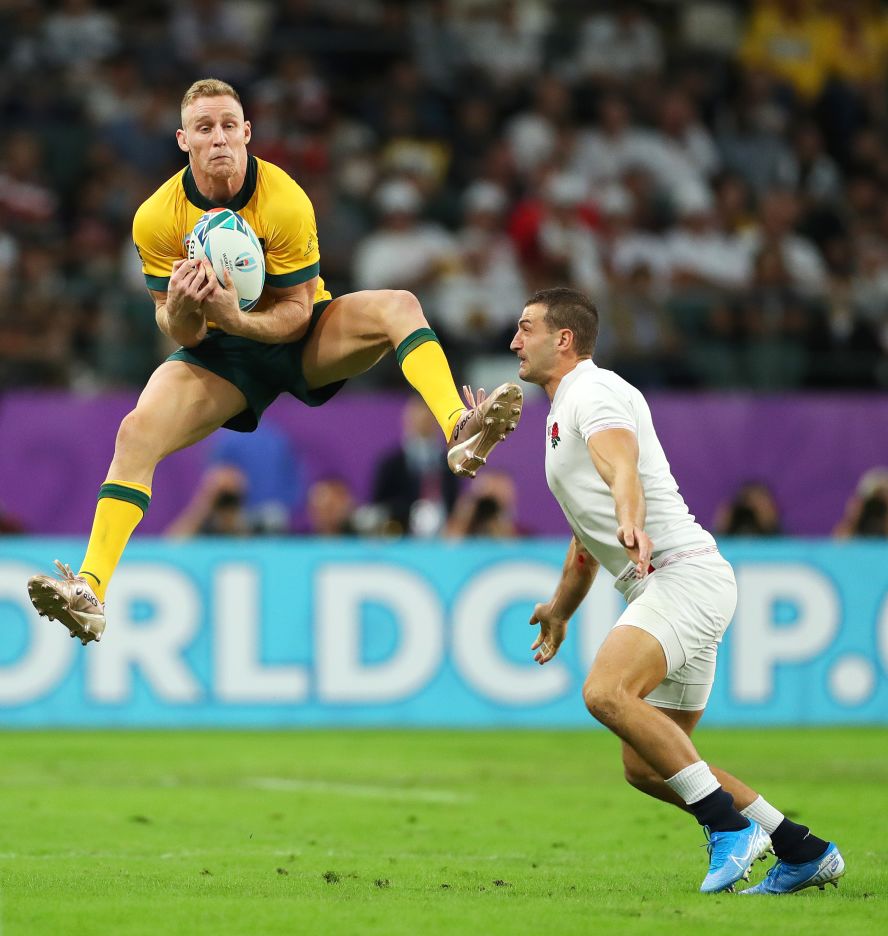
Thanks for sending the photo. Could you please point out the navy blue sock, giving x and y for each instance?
(717, 811)
(795, 844)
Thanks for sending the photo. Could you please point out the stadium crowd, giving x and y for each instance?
(713, 173)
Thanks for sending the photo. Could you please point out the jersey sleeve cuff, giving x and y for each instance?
(158, 283)
(283, 280)
(610, 424)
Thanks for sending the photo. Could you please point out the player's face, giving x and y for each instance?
(215, 136)
(535, 346)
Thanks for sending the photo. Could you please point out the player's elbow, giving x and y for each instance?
(296, 319)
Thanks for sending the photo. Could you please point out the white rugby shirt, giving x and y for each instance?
(590, 399)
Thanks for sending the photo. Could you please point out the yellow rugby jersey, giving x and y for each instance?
(272, 203)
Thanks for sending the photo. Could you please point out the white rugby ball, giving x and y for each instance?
(229, 243)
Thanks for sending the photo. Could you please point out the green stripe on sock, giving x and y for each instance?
(121, 492)
(413, 341)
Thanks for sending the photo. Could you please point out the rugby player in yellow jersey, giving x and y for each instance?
(231, 365)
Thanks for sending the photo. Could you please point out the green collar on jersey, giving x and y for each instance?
(192, 193)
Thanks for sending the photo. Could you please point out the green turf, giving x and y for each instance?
(390, 832)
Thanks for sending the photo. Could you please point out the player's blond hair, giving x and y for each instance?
(208, 87)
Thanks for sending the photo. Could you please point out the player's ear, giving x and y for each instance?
(180, 139)
(248, 131)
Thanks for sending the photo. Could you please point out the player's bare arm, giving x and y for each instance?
(614, 453)
(178, 311)
(577, 576)
(282, 315)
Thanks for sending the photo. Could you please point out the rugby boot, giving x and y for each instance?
(71, 600)
(482, 428)
(786, 878)
(731, 855)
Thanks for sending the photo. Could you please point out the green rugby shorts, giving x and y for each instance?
(260, 371)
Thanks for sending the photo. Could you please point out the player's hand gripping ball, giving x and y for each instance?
(229, 243)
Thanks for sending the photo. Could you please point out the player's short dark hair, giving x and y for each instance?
(571, 309)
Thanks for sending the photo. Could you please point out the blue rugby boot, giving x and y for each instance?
(785, 878)
(731, 855)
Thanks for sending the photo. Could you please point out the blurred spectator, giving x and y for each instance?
(216, 508)
(618, 45)
(37, 330)
(642, 345)
(215, 37)
(811, 171)
(592, 122)
(561, 246)
(476, 304)
(413, 483)
(789, 40)
(79, 34)
(778, 215)
(26, 200)
(700, 252)
(406, 252)
(753, 511)
(10, 525)
(605, 154)
(274, 476)
(866, 513)
(750, 133)
(330, 508)
(857, 51)
(533, 134)
(504, 41)
(487, 508)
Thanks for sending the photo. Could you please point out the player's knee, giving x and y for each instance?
(603, 700)
(402, 303)
(129, 430)
(134, 434)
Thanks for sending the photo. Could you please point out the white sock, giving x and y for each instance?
(694, 782)
(762, 812)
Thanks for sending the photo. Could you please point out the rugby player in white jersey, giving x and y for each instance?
(651, 679)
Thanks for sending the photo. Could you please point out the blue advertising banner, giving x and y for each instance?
(310, 632)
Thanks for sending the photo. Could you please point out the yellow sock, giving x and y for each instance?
(122, 504)
(424, 365)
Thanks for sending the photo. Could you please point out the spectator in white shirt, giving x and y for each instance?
(618, 46)
(476, 303)
(700, 252)
(778, 212)
(405, 252)
(567, 249)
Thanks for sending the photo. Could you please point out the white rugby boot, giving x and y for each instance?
(71, 600)
(482, 428)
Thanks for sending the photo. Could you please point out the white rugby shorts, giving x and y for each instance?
(687, 605)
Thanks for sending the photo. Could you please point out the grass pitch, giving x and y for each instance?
(413, 832)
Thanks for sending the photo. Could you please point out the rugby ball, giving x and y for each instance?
(225, 239)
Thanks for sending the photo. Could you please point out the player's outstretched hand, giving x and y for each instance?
(638, 547)
(553, 630)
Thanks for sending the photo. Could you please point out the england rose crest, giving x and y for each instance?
(554, 438)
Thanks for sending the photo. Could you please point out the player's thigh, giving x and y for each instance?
(630, 660)
(349, 338)
(180, 405)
